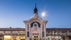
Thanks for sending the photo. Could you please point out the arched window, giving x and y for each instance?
(27, 34)
(34, 24)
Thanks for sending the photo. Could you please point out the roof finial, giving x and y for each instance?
(35, 5)
(35, 9)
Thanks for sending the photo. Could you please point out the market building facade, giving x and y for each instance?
(35, 29)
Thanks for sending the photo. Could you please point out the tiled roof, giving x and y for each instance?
(23, 29)
(12, 29)
(58, 29)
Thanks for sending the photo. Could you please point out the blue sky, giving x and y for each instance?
(14, 12)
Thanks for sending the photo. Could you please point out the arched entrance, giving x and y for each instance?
(35, 35)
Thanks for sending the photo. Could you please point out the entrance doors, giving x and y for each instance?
(35, 37)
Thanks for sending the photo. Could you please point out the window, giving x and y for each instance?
(35, 36)
(35, 24)
(27, 34)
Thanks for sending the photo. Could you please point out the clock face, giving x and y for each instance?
(35, 24)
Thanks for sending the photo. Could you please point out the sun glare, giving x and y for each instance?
(43, 14)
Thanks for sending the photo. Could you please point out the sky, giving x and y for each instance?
(14, 12)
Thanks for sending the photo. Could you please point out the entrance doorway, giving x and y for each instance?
(36, 37)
